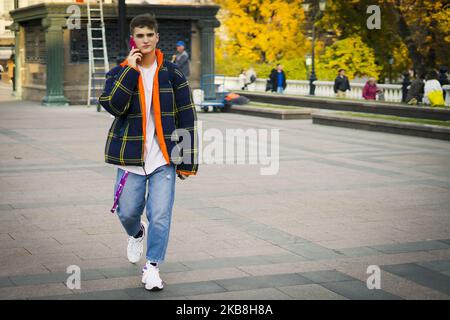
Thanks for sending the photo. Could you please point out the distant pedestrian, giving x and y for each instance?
(242, 80)
(405, 84)
(11, 70)
(278, 79)
(433, 90)
(443, 77)
(370, 90)
(341, 84)
(416, 90)
(246, 78)
(181, 59)
(1, 71)
(250, 76)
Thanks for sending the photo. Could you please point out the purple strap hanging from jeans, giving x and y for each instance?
(119, 191)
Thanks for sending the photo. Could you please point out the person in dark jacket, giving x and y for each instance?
(151, 101)
(278, 79)
(341, 84)
(181, 59)
(416, 90)
(443, 78)
(405, 84)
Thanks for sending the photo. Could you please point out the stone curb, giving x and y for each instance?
(389, 126)
(400, 110)
(274, 113)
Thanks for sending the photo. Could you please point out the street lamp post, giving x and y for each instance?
(391, 62)
(312, 77)
(315, 13)
(308, 62)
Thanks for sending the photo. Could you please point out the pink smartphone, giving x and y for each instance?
(132, 44)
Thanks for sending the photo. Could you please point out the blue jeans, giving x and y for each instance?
(159, 203)
(280, 90)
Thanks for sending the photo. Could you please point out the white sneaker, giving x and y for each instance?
(135, 246)
(151, 279)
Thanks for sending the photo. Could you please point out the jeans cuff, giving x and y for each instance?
(157, 261)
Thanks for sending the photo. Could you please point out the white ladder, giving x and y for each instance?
(97, 52)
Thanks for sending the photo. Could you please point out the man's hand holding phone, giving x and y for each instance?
(133, 57)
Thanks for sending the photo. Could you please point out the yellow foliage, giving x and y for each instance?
(263, 31)
(351, 54)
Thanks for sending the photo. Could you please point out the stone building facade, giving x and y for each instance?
(52, 59)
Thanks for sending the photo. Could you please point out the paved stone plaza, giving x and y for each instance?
(343, 200)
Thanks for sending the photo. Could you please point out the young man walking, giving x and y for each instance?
(152, 104)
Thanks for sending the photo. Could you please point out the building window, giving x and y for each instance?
(35, 50)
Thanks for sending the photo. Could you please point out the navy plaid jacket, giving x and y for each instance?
(124, 98)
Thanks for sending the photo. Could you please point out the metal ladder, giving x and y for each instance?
(97, 52)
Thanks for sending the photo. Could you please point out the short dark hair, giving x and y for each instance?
(432, 74)
(339, 71)
(144, 20)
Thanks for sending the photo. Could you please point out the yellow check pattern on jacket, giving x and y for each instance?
(174, 113)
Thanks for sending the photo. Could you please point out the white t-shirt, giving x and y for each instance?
(430, 85)
(154, 157)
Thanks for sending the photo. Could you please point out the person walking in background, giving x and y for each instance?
(443, 78)
(341, 84)
(415, 92)
(432, 90)
(246, 78)
(405, 84)
(370, 90)
(181, 59)
(250, 77)
(242, 80)
(1, 71)
(10, 65)
(278, 79)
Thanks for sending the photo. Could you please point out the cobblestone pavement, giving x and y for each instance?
(342, 200)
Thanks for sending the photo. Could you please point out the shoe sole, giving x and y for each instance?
(155, 288)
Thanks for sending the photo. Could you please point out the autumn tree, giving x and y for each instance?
(424, 30)
(415, 33)
(352, 54)
(263, 31)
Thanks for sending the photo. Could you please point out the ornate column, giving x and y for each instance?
(207, 51)
(54, 43)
